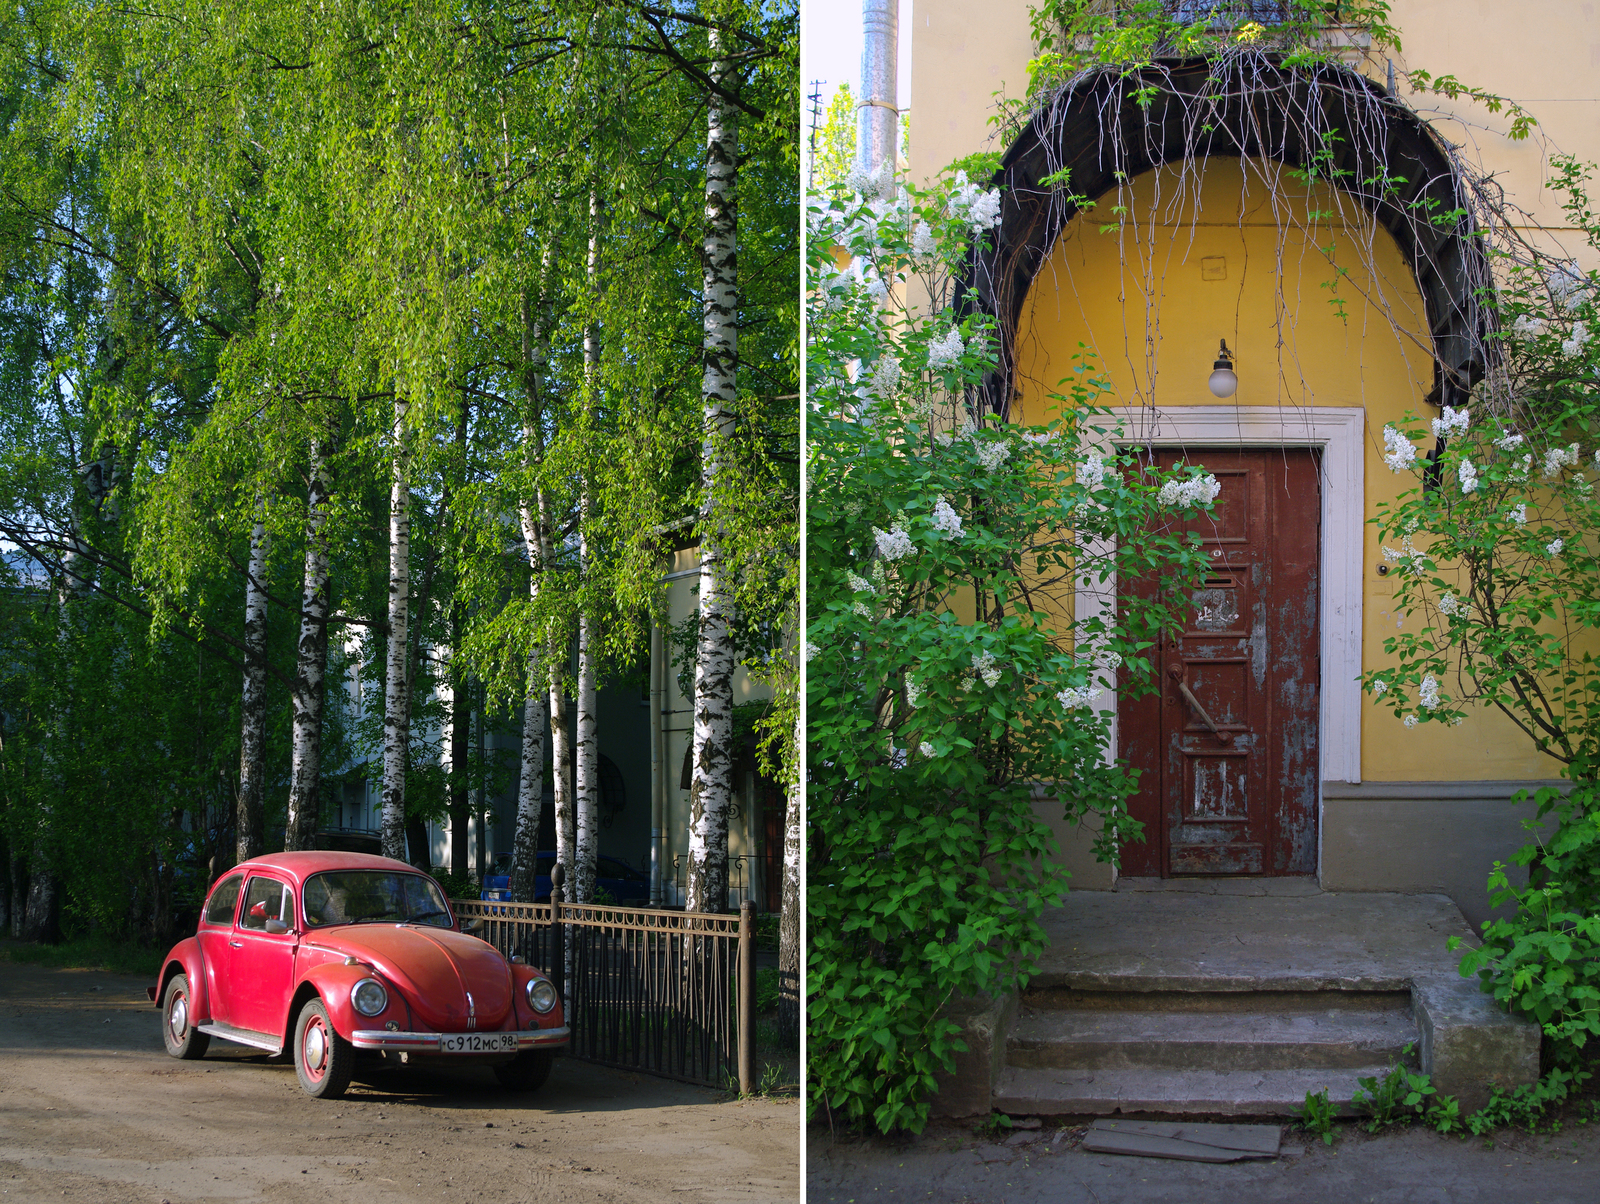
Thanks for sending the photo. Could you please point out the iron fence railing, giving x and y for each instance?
(741, 878)
(670, 993)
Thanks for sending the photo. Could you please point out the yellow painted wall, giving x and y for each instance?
(1099, 288)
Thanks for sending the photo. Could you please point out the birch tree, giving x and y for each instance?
(397, 694)
(249, 819)
(311, 658)
(711, 791)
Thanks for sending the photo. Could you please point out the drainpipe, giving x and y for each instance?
(878, 112)
(658, 771)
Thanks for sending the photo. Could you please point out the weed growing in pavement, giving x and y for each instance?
(1525, 1107)
(1399, 1097)
(1316, 1116)
(994, 1125)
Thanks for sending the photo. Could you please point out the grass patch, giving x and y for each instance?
(87, 953)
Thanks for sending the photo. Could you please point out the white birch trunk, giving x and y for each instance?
(789, 917)
(587, 848)
(311, 661)
(397, 691)
(536, 541)
(711, 792)
(249, 821)
(587, 786)
(561, 767)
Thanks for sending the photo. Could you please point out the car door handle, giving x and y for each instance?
(236, 944)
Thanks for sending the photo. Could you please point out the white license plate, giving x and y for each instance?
(478, 1043)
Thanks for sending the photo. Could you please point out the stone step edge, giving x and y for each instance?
(1032, 1092)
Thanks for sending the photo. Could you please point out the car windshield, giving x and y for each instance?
(359, 896)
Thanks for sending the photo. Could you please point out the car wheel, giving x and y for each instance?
(182, 1039)
(527, 1071)
(323, 1059)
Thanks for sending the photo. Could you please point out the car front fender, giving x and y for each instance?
(333, 981)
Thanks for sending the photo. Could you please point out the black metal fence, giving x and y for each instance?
(665, 992)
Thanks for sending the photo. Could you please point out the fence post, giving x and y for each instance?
(747, 997)
(558, 950)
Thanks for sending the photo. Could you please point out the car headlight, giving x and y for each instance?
(368, 997)
(541, 995)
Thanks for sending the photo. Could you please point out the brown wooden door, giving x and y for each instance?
(1227, 750)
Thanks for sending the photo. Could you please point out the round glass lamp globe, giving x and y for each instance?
(1223, 382)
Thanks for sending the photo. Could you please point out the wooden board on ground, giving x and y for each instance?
(1192, 1142)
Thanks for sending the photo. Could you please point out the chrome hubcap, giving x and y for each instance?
(316, 1046)
(178, 1019)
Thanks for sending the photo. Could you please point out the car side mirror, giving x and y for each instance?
(277, 927)
(470, 926)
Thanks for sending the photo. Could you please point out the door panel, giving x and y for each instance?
(1227, 752)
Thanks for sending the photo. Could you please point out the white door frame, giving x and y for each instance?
(1339, 433)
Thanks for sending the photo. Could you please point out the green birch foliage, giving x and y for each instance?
(1496, 572)
(948, 683)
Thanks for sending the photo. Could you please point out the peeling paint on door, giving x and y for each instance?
(1227, 752)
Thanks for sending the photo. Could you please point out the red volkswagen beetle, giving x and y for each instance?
(331, 952)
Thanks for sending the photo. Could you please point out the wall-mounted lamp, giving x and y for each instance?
(1223, 380)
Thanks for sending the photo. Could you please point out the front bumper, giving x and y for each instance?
(377, 1038)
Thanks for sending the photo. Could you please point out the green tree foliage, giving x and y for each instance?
(948, 680)
(228, 231)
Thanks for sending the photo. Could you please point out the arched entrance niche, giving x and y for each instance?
(1315, 300)
(1245, 107)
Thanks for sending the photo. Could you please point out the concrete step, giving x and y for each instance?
(1027, 1091)
(1340, 1038)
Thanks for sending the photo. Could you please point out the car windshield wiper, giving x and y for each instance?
(382, 915)
(423, 915)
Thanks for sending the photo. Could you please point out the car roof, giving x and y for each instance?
(299, 866)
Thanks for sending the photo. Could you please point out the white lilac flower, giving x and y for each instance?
(811, 650)
(944, 438)
(1190, 491)
(1508, 442)
(860, 608)
(992, 455)
(894, 543)
(1391, 555)
(876, 288)
(1567, 284)
(1580, 336)
(945, 520)
(922, 242)
(1468, 476)
(886, 376)
(1039, 438)
(1092, 471)
(1558, 458)
(1428, 693)
(1555, 545)
(913, 692)
(972, 205)
(1076, 696)
(1597, 459)
(946, 351)
(1452, 421)
(1380, 687)
(1449, 605)
(927, 750)
(1527, 326)
(1410, 721)
(1457, 720)
(859, 585)
(1526, 466)
(1519, 514)
(983, 664)
(1398, 450)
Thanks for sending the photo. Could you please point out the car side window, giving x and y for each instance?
(267, 899)
(220, 909)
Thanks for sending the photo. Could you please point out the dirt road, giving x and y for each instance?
(92, 1109)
